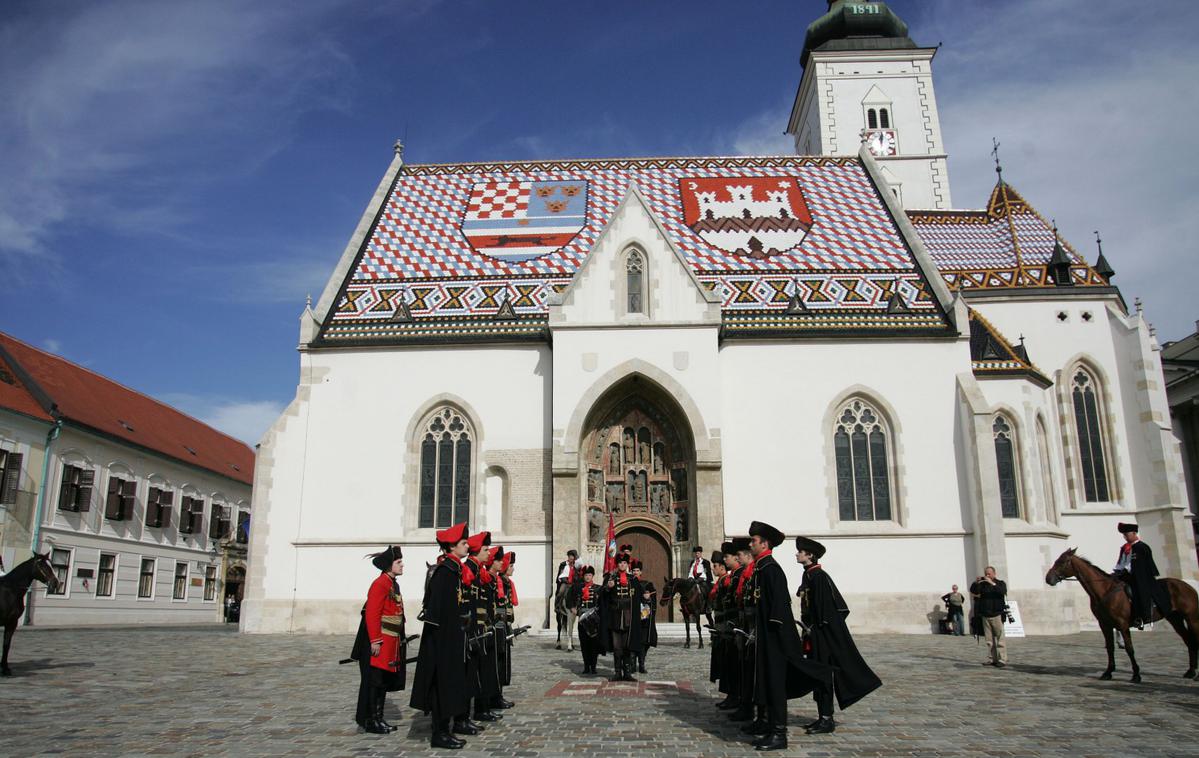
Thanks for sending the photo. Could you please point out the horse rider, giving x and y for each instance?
(827, 639)
(439, 684)
(701, 569)
(647, 606)
(584, 599)
(567, 575)
(619, 600)
(379, 646)
(1136, 568)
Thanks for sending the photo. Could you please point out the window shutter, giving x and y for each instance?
(166, 499)
(83, 494)
(12, 475)
(112, 504)
(152, 509)
(214, 523)
(128, 493)
(66, 499)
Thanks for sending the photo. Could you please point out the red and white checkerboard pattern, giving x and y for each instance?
(419, 239)
(491, 200)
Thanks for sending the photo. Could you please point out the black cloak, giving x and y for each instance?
(440, 679)
(1147, 590)
(824, 612)
(607, 606)
(780, 670)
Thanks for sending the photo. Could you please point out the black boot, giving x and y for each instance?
(501, 703)
(628, 668)
(743, 713)
(825, 725)
(374, 727)
(486, 715)
(379, 704)
(641, 664)
(463, 725)
(813, 724)
(775, 739)
(617, 669)
(446, 740)
(758, 726)
(728, 703)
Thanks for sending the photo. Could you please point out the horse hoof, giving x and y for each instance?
(1190, 674)
(687, 646)
(1136, 679)
(1106, 675)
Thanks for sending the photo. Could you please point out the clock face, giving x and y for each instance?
(882, 142)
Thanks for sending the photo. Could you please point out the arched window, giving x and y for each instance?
(445, 469)
(1083, 393)
(1046, 471)
(635, 273)
(872, 119)
(884, 118)
(1006, 457)
(863, 463)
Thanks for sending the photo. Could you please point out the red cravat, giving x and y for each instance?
(586, 591)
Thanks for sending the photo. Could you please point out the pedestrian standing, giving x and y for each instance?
(379, 645)
(990, 598)
(954, 604)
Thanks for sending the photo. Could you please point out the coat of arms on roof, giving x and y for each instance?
(516, 220)
(757, 216)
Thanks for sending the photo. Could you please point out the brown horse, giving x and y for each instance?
(1113, 608)
(13, 587)
(694, 602)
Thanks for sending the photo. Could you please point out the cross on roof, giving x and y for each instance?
(995, 155)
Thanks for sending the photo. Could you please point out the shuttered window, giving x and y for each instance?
(191, 515)
(76, 491)
(158, 507)
(10, 476)
(218, 522)
(118, 503)
(60, 561)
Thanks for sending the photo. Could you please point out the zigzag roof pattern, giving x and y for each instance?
(465, 251)
(992, 355)
(1006, 246)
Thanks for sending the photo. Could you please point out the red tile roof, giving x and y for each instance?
(15, 397)
(88, 399)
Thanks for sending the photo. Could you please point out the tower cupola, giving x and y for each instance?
(856, 25)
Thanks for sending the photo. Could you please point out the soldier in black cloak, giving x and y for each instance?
(780, 670)
(823, 613)
(483, 671)
(439, 684)
(745, 639)
(619, 602)
(646, 607)
(1136, 567)
(584, 600)
(715, 602)
(730, 657)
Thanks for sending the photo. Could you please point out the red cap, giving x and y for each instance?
(507, 562)
(493, 553)
(476, 541)
(450, 537)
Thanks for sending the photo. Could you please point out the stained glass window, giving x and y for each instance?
(1090, 437)
(445, 470)
(862, 456)
(635, 269)
(1005, 457)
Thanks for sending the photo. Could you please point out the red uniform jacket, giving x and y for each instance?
(384, 617)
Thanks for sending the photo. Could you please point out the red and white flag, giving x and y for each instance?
(610, 553)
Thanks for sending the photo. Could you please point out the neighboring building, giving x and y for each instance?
(688, 344)
(1180, 362)
(144, 510)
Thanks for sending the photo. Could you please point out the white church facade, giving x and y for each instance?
(818, 341)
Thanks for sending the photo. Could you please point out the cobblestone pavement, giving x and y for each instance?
(212, 692)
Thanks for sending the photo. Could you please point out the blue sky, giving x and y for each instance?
(176, 177)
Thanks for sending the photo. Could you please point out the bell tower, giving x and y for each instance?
(864, 79)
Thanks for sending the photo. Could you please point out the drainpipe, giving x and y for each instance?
(37, 511)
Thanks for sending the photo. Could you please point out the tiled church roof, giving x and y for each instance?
(991, 355)
(790, 244)
(1006, 246)
(102, 405)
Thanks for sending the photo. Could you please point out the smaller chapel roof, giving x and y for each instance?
(79, 395)
(993, 356)
(1009, 245)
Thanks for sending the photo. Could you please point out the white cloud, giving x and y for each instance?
(116, 110)
(763, 134)
(247, 420)
(52, 346)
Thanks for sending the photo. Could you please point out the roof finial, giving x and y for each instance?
(308, 301)
(1102, 267)
(399, 148)
(995, 155)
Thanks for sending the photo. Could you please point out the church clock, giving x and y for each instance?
(882, 142)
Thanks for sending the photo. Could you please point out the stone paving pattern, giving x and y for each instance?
(212, 692)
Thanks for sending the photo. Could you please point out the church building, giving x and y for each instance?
(819, 340)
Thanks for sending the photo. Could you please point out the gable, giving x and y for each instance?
(599, 291)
